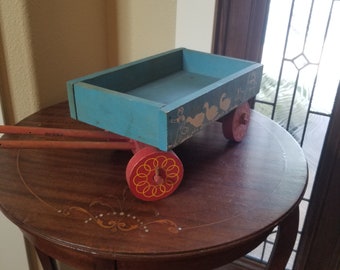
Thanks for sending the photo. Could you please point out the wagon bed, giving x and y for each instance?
(164, 99)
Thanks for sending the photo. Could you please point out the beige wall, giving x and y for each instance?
(145, 27)
(12, 248)
(45, 43)
(194, 24)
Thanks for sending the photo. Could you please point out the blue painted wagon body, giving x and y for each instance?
(164, 99)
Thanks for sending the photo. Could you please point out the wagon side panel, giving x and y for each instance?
(186, 119)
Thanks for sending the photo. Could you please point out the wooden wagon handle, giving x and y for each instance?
(108, 140)
(26, 144)
(61, 132)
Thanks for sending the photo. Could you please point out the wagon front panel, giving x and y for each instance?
(129, 116)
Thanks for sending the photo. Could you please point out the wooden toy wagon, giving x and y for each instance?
(152, 105)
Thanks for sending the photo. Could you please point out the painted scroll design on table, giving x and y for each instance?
(108, 212)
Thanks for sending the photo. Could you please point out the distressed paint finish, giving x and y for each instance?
(164, 99)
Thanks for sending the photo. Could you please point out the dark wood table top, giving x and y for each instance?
(79, 199)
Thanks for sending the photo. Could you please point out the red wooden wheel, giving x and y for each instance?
(235, 124)
(153, 174)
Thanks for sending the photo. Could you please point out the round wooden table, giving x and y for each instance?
(75, 205)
